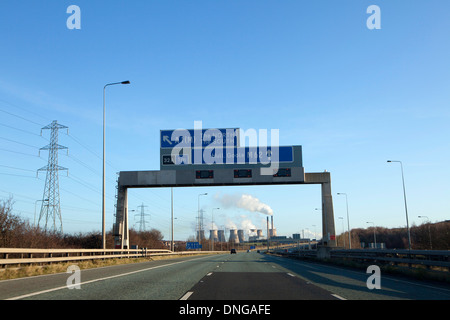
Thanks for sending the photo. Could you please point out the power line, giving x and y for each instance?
(89, 149)
(24, 109)
(16, 175)
(78, 141)
(22, 153)
(18, 129)
(15, 168)
(20, 117)
(18, 142)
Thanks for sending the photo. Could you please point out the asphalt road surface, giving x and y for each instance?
(241, 276)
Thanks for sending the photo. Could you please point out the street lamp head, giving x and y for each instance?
(389, 161)
(125, 82)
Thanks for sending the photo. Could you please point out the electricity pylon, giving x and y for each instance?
(50, 208)
(142, 218)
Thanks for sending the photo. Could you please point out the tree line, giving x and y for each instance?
(16, 232)
(427, 236)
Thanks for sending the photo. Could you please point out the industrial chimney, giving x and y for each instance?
(272, 231)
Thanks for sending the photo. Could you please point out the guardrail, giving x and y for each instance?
(411, 258)
(13, 256)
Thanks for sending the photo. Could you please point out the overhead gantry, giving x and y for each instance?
(229, 176)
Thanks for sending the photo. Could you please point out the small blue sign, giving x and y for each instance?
(193, 245)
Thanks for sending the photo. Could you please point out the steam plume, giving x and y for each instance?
(245, 201)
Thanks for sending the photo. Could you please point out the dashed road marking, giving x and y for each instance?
(187, 295)
(338, 296)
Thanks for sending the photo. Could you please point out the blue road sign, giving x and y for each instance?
(193, 245)
(199, 138)
(244, 155)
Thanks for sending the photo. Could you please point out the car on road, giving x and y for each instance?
(233, 251)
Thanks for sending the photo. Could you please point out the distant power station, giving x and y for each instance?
(238, 235)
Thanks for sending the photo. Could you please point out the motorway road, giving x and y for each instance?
(242, 276)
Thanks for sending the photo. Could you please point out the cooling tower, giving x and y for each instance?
(234, 236)
(259, 233)
(213, 235)
(221, 235)
(241, 235)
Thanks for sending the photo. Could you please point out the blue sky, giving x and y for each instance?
(352, 97)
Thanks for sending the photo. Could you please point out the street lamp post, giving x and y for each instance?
(406, 207)
(374, 236)
(103, 183)
(212, 227)
(348, 221)
(343, 230)
(324, 225)
(171, 210)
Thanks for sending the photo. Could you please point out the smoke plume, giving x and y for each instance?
(246, 202)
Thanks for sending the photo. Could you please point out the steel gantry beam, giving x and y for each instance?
(220, 177)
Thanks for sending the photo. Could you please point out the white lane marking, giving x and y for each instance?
(187, 295)
(100, 279)
(338, 296)
(323, 269)
(290, 274)
(209, 274)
